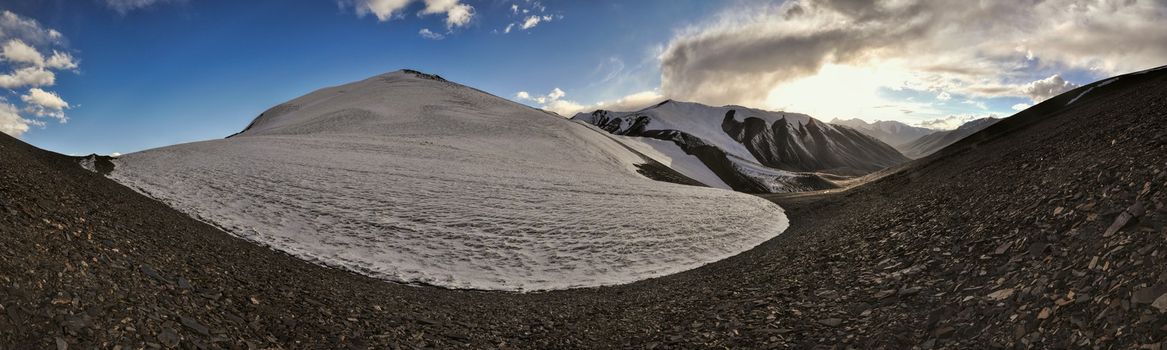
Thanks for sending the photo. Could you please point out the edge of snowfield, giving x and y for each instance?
(435, 183)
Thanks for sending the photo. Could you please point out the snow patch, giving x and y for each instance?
(775, 180)
(426, 181)
(704, 122)
(1080, 95)
(672, 156)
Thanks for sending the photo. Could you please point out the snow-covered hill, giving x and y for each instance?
(748, 149)
(931, 143)
(412, 178)
(890, 132)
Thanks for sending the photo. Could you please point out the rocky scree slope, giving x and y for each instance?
(1045, 230)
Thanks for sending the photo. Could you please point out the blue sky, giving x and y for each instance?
(197, 70)
(151, 73)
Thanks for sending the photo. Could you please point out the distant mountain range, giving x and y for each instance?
(889, 131)
(913, 141)
(933, 142)
(752, 150)
(747, 149)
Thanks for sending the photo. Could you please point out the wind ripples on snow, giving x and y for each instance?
(512, 207)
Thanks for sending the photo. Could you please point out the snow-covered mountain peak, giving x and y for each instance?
(371, 106)
(749, 149)
(699, 120)
(672, 109)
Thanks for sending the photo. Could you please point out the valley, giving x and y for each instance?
(1058, 248)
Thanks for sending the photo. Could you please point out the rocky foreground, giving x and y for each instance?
(1045, 230)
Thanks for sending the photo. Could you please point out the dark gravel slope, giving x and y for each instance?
(1044, 231)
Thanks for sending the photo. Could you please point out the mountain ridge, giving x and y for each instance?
(764, 151)
(891, 132)
(934, 142)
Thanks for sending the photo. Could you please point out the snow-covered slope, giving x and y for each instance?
(740, 144)
(412, 178)
(931, 143)
(890, 132)
(670, 155)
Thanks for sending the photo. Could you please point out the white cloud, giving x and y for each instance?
(556, 94)
(1020, 106)
(45, 104)
(541, 99)
(17, 51)
(633, 102)
(614, 67)
(20, 53)
(10, 121)
(565, 108)
(23, 66)
(47, 99)
(27, 76)
(844, 92)
(950, 122)
(14, 26)
(943, 96)
(530, 22)
(534, 20)
(551, 98)
(525, 21)
(978, 104)
(968, 48)
(426, 33)
(457, 13)
(1043, 89)
(126, 6)
(384, 10)
(555, 102)
(61, 60)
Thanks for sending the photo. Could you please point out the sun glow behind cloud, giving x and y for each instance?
(905, 60)
(908, 60)
(841, 91)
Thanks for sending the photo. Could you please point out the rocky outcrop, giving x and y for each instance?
(713, 157)
(753, 150)
(810, 146)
